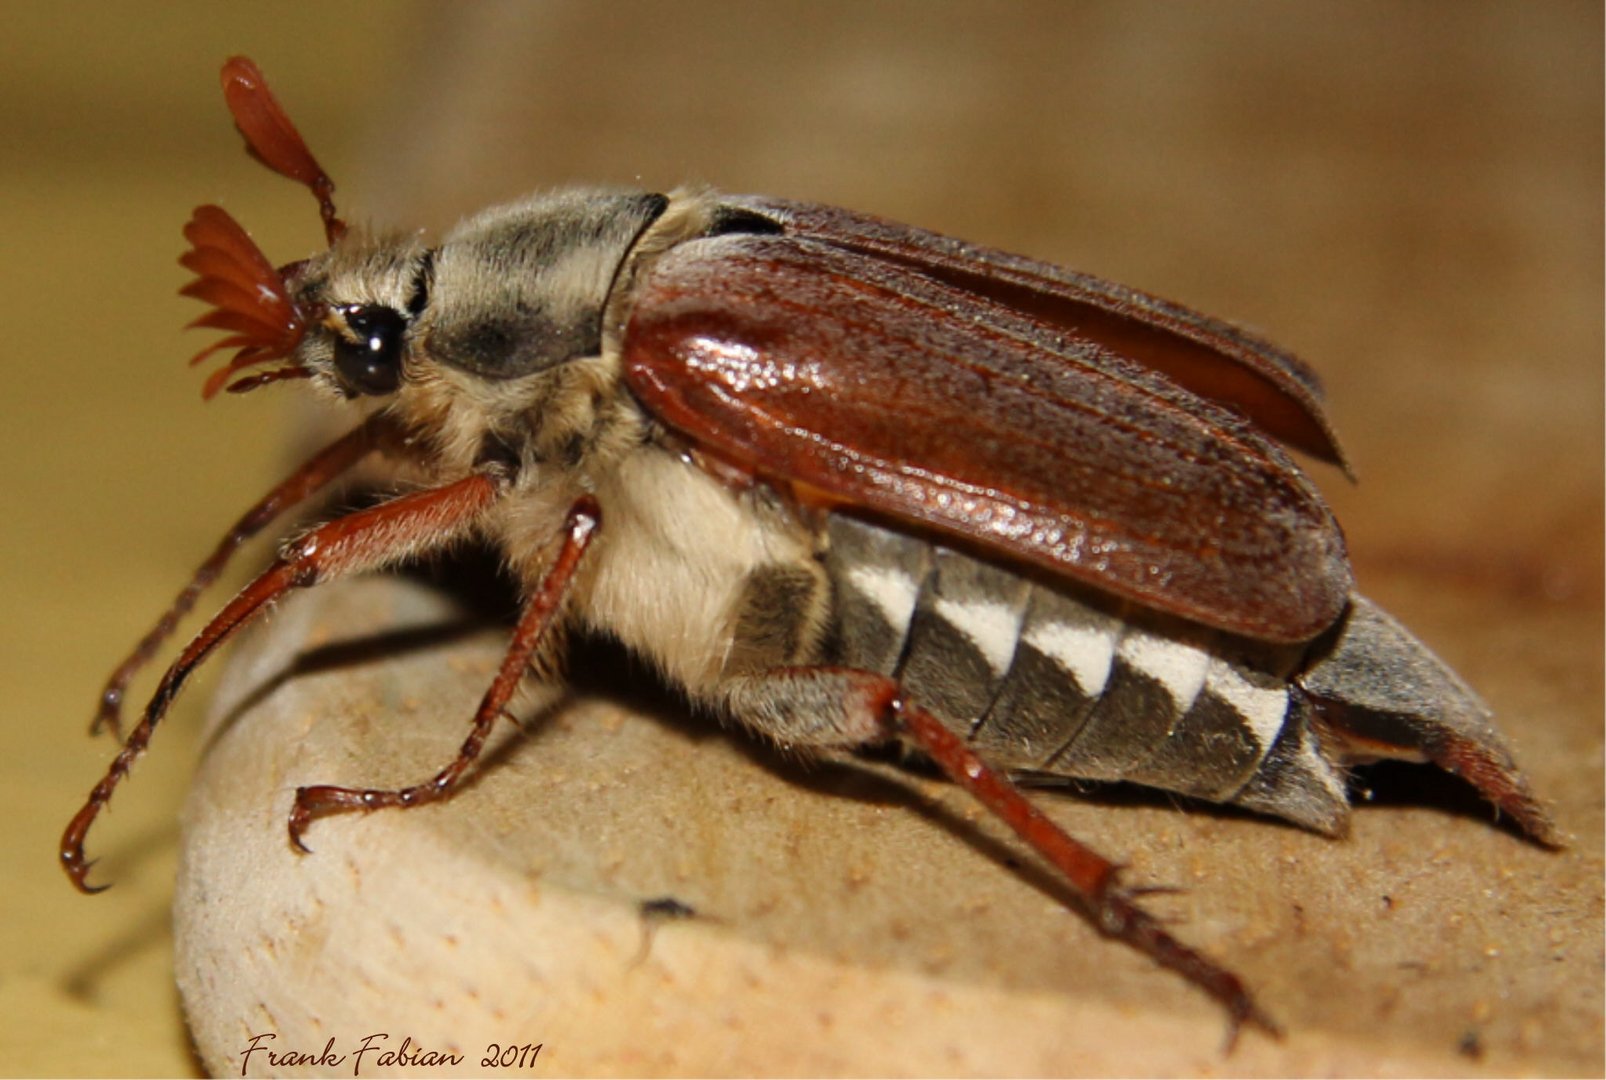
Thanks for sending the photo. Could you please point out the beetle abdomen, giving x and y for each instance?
(1042, 683)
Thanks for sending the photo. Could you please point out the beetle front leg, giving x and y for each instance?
(361, 541)
(330, 463)
(844, 707)
(540, 611)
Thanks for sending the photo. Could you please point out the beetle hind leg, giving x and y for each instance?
(845, 708)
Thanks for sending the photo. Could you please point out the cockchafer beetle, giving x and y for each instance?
(844, 482)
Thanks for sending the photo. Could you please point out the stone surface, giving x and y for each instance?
(850, 917)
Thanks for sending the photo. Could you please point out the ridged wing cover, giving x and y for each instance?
(855, 380)
(1212, 358)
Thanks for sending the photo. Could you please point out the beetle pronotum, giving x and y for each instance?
(845, 482)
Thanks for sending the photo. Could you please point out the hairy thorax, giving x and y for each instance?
(681, 574)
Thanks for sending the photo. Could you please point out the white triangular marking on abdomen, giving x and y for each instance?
(1085, 652)
(992, 627)
(892, 591)
(1263, 709)
(1180, 669)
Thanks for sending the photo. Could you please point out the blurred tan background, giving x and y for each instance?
(1408, 195)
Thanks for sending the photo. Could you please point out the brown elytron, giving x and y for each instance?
(1033, 439)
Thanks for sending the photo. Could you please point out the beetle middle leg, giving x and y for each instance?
(536, 620)
(846, 707)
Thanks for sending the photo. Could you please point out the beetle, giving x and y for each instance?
(844, 482)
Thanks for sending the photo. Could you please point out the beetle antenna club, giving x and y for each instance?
(887, 487)
(273, 140)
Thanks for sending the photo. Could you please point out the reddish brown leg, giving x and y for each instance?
(826, 706)
(360, 541)
(540, 610)
(328, 464)
(1091, 876)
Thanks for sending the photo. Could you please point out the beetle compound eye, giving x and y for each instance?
(369, 356)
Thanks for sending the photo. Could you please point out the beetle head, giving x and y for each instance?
(355, 340)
